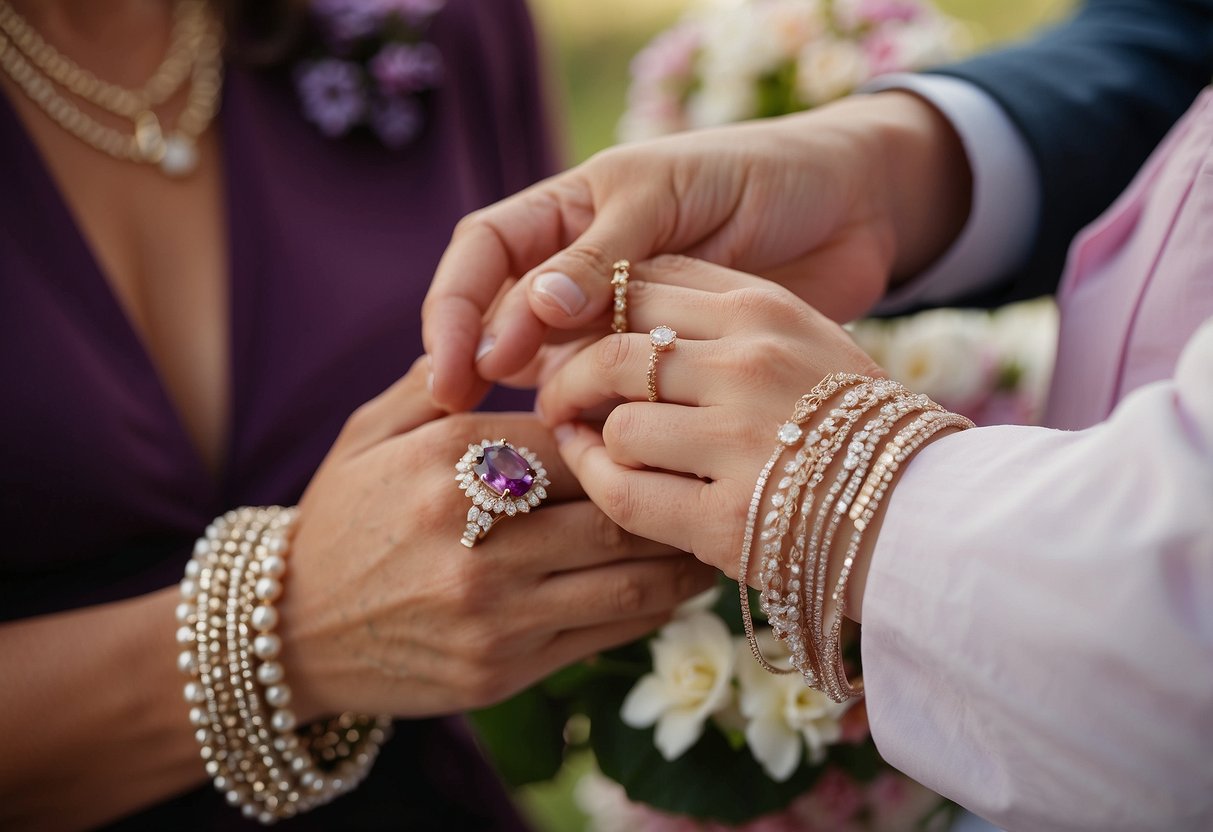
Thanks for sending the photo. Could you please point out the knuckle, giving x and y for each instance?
(607, 535)
(690, 578)
(618, 501)
(629, 595)
(611, 353)
(621, 426)
(589, 257)
(360, 419)
(673, 263)
(470, 224)
(720, 544)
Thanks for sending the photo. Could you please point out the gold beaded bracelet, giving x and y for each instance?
(240, 701)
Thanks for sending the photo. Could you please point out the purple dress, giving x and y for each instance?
(332, 246)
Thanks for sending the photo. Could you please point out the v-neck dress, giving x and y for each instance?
(332, 246)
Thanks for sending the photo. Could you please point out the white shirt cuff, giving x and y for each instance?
(1006, 194)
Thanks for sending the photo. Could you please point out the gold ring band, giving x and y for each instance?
(619, 281)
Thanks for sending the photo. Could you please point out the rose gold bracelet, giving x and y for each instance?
(876, 485)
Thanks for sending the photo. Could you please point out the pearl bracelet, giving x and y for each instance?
(239, 698)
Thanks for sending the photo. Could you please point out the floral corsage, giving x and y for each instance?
(371, 68)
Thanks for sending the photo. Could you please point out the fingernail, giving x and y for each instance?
(538, 410)
(486, 346)
(429, 382)
(562, 290)
(564, 433)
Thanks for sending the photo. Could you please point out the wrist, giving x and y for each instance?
(929, 182)
(862, 558)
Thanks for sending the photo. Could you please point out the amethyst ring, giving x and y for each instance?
(501, 481)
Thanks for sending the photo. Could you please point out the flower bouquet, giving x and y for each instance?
(993, 367)
(740, 60)
(690, 734)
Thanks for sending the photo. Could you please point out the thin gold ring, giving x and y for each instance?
(619, 281)
(661, 338)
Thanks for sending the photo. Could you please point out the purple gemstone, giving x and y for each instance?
(505, 471)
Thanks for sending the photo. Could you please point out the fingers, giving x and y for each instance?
(399, 409)
(571, 290)
(659, 506)
(575, 645)
(623, 591)
(487, 248)
(617, 368)
(563, 537)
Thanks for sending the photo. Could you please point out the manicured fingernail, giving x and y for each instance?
(486, 346)
(562, 290)
(429, 382)
(564, 433)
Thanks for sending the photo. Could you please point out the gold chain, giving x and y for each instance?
(195, 52)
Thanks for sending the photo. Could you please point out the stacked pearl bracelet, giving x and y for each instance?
(792, 583)
(238, 696)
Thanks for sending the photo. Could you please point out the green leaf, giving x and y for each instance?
(523, 736)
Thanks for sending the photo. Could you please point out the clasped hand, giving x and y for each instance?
(386, 613)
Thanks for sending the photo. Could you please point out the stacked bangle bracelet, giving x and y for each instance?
(238, 695)
(796, 536)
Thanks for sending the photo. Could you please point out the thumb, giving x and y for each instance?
(401, 408)
(570, 291)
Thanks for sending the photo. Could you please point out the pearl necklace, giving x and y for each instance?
(193, 56)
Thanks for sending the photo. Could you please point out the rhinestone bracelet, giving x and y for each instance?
(797, 616)
(786, 613)
(788, 435)
(239, 698)
(838, 498)
(875, 486)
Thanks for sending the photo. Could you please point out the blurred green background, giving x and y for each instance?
(588, 45)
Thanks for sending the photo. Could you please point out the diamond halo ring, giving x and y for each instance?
(501, 481)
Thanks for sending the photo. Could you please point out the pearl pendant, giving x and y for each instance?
(180, 156)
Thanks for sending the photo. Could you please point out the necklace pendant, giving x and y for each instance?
(180, 156)
(149, 139)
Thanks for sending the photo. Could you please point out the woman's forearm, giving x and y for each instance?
(92, 715)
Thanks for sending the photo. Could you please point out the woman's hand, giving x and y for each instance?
(682, 470)
(828, 203)
(385, 611)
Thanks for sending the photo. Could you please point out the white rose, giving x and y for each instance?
(785, 715)
(945, 353)
(829, 68)
(1025, 335)
(721, 101)
(693, 660)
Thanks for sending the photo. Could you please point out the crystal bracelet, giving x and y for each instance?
(797, 616)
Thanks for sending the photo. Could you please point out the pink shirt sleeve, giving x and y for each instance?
(1038, 619)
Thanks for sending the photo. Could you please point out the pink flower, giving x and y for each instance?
(834, 800)
(669, 56)
(884, 11)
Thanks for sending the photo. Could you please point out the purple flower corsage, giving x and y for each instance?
(373, 69)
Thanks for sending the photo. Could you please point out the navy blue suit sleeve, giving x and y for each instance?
(1092, 97)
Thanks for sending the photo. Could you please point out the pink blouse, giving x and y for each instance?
(1038, 619)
